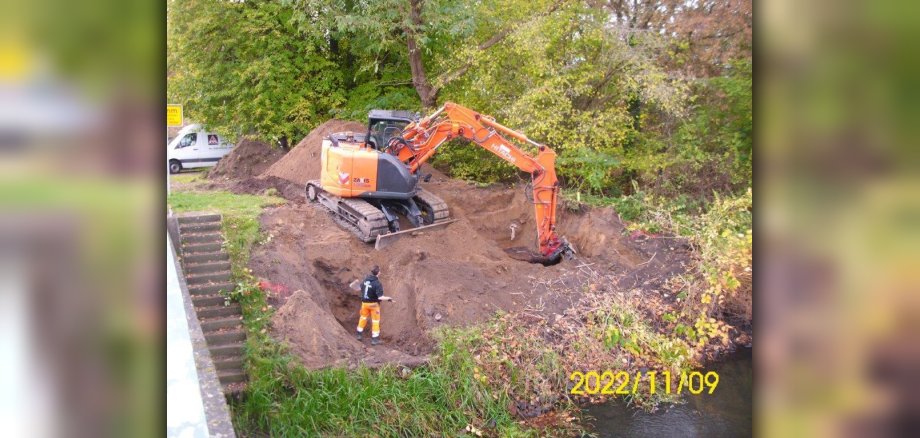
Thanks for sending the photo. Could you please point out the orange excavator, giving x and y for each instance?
(368, 180)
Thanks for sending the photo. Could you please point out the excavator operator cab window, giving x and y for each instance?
(381, 131)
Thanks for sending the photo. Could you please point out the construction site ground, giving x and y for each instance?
(455, 275)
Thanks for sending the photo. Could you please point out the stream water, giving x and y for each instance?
(725, 413)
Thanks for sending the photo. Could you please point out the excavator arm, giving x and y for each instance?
(419, 141)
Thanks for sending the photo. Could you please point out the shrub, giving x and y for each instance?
(722, 237)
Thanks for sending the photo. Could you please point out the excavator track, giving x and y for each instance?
(356, 215)
(433, 206)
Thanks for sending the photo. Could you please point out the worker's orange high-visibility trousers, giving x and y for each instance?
(372, 311)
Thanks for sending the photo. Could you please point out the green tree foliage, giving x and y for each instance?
(622, 91)
(568, 79)
(362, 41)
(709, 151)
(648, 104)
(244, 67)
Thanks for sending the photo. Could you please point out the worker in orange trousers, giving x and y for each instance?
(371, 296)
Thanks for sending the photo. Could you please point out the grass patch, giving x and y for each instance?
(285, 399)
(241, 218)
(440, 399)
(188, 177)
(477, 378)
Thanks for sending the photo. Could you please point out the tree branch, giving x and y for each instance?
(498, 37)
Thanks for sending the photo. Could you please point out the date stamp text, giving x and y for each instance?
(623, 383)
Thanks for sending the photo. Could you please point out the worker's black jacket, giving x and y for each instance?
(371, 289)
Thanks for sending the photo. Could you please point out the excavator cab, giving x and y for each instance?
(384, 125)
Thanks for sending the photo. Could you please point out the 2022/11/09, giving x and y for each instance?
(694, 382)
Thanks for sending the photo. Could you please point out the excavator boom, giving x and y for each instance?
(420, 140)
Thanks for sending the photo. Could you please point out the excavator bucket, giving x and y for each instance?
(566, 251)
(385, 239)
(526, 255)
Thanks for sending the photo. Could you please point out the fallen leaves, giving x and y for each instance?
(473, 430)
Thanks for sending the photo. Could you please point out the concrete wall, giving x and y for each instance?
(195, 402)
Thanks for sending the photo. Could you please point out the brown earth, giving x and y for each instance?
(248, 159)
(455, 275)
(260, 185)
(299, 165)
(299, 321)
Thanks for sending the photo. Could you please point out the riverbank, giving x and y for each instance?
(506, 373)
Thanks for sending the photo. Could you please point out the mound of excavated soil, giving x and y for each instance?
(306, 324)
(455, 275)
(301, 164)
(259, 185)
(298, 321)
(249, 158)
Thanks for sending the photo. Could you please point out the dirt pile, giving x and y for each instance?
(454, 275)
(306, 324)
(299, 320)
(248, 159)
(506, 216)
(260, 185)
(301, 163)
(457, 275)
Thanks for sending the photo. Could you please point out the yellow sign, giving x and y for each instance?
(15, 62)
(173, 115)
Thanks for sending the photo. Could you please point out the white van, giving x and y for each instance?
(195, 147)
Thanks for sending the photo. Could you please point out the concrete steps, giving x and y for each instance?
(199, 219)
(201, 248)
(211, 278)
(206, 257)
(213, 226)
(207, 312)
(207, 273)
(221, 351)
(231, 376)
(219, 323)
(208, 300)
(228, 363)
(227, 337)
(209, 267)
(210, 289)
(203, 238)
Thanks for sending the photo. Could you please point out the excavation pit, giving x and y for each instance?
(458, 275)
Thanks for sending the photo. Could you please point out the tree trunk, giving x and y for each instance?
(419, 79)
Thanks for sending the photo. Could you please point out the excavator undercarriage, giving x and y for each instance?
(369, 218)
